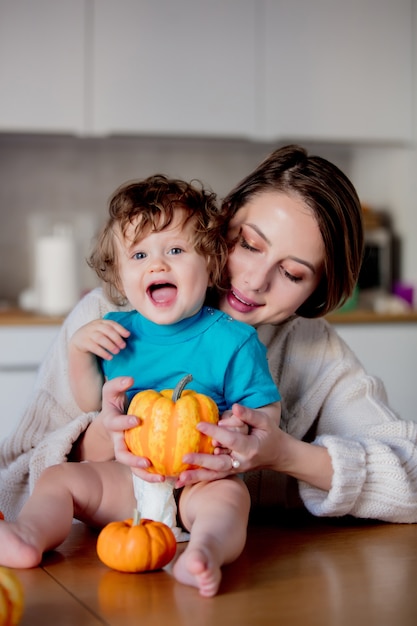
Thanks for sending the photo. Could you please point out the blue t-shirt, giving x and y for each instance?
(225, 358)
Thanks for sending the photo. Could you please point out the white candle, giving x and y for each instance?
(56, 275)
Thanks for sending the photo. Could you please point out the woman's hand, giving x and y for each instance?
(115, 422)
(265, 447)
(97, 443)
(254, 447)
(232, 422)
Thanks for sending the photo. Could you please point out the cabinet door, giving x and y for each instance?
(22, 350)
(15, 388)
(175, 68)
(388, 351)
(338, 70)
(42, 58)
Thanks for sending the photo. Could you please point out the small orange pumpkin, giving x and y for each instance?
(136, 545)
(168, 427)
(11, 597)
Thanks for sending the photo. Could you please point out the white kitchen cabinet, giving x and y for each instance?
(42, 65)
(22, 350)
(337, 70)
(388, 351)
(174, 68)
(323, 70)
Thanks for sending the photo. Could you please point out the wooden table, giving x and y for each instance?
(294, 571)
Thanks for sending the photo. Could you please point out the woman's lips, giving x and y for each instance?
(239, 302)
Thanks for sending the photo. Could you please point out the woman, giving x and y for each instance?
(295, 223)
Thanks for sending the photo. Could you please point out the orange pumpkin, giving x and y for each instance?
(136, 545)
(168, 427)
(11, 597)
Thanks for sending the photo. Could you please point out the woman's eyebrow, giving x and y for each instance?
(259, 232)
(304, 262)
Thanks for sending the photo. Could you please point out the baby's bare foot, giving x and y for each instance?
(16, 551)
(195, 567)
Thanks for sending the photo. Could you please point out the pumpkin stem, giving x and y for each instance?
(136, 517)
(180, 387)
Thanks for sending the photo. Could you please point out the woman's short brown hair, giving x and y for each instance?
(150, 204)
(334, 201)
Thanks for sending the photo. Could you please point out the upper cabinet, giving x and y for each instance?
(324, 70)
(42, 66)
(174, 68)
(338, 70)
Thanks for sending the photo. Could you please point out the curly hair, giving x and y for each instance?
(149, 205)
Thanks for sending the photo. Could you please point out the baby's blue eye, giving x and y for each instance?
(139, 255)
(175, 251)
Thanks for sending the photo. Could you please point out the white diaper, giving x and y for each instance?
(156, 501)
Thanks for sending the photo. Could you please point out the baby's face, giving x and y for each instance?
(161, 274)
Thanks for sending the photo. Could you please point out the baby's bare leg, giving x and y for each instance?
(216, 513)
(95, 493)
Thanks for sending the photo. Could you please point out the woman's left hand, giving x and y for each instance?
(255, 450)
(265, 447)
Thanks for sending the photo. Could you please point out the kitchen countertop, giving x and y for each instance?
(364, 316)
(17, 317)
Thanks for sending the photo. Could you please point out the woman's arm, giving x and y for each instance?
(104, 439)
(52, 421)
(93, 444)
(265, 447)
(98, 441)
(361, 459)
(269, 447)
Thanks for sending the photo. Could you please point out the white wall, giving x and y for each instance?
(386, 180)
(72, 178)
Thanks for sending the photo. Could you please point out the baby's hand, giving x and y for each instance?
(104, 338)
(232, 422)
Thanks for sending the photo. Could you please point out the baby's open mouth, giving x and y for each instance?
(162, 293)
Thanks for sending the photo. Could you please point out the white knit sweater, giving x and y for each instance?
(327, 398)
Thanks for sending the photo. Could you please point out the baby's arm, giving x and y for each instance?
(100, 338)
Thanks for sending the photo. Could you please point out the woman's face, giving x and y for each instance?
(278, 259)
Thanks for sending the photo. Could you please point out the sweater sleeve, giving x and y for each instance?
(375, 477)
(373, 451)
(330, 400)
(52, 421)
